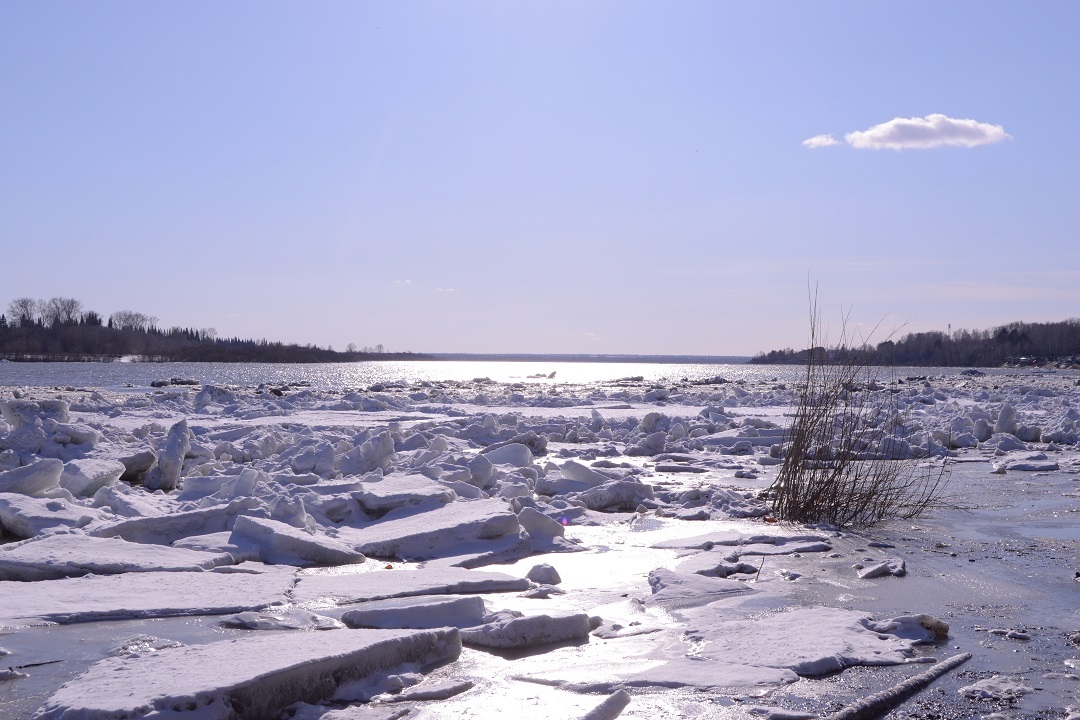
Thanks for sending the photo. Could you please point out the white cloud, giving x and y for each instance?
(929, 132)
(819, 141)
(445, 290)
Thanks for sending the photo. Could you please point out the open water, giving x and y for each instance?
(340, 376)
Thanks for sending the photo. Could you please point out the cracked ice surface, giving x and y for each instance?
(238, 511)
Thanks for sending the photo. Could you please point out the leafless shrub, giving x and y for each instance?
(842, 465)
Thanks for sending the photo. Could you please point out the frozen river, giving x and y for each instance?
(294, 500)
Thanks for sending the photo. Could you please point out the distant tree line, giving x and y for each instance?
(1018, 343)
(61, 329)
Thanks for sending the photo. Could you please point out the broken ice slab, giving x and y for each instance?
(736, 538)
(674, 590)
(167, 528)
(281, 618)
(24, 516)
(71, 554)
(715, 563)
(143, 595)
(528, 631)
(699, 673)
(809, 641)
(222, 543)
(430, 533)
(323, 590)
(378, 498)
(773, 649)
(427, 611)
(893, 566)
(283, 544)
(35, 479)
(249, 677)
(723, 560)
(84, 477)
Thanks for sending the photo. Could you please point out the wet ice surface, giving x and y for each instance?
(641, 496)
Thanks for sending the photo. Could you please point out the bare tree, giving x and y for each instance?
(59, 311)
(131, 320)
(70, 310)
(23, 311)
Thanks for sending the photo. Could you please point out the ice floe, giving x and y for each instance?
(206, 681)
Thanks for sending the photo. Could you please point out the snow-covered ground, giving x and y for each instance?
(447, 549)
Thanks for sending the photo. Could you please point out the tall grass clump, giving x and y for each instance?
(843, 464)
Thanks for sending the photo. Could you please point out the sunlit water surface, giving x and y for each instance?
(339, 376)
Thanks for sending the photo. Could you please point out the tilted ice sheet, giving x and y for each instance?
(323, 590)
(142, 595)
(210, 682)
(433, 532)
(66, 555)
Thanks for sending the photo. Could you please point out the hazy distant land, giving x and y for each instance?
(1017, 344)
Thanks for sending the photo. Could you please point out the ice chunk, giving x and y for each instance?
(625, 494)
(375, 453)
(25, 517)
(673, 589)
(211, 394)
(434, 533)
(440, 690)
(127, 501)
(206, 681)
(1030, 462)
(171, 460)
(1006, 420)
(83, 478)
(895, 567)
(167, 529)
(917, 628)
(481, 469)
(280, 619)
(65, 555)
(541, 528)
(18, 413)
(528, 631)
(716, 563)
(705, 674)
(426, 611)
(140, 595)
(282, 544)
(394, 491)
(808, 641)
(221, 542)
(1007, 443)
(577, 472)
(137, 466)
(516, 454)
(363, 587)
(766, 712)
(1029, 433)
(544, 574)
(998, 688)
(35, 479)
(734, 538)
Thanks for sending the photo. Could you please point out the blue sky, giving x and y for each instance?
(611, 177)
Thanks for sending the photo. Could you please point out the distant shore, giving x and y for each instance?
(615, 358)
(299, 357)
